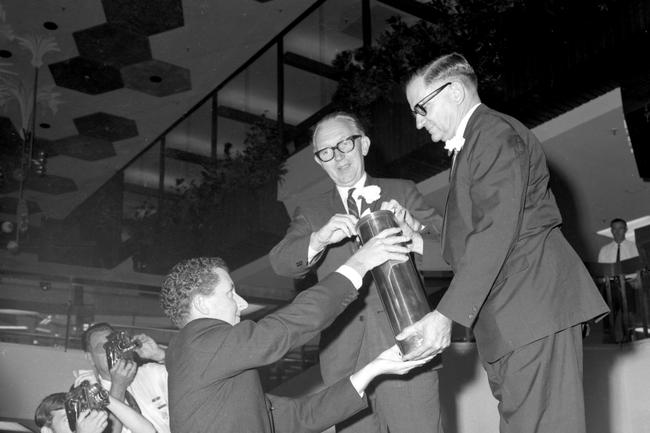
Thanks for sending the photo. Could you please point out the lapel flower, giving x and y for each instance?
(455, 144)
(368, 195)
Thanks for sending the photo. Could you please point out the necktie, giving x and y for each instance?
(353, 209)
(618, 253)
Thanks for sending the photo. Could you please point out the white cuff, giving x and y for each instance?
(351, 274)
(311, 253)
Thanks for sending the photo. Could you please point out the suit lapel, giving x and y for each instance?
(452, 170)
(335, 201)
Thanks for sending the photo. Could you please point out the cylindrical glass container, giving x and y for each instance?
(398, 283)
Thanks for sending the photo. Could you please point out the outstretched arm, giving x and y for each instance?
(149, 349)
(129, 417)
(250, 345)
(390, 361)
(317, 412)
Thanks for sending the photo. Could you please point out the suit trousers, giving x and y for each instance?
(397, 404)
(539, 385)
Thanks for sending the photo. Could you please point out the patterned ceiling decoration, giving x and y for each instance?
(125, 71)
(120, 42)
(106, 126)
(147, 18)
(112, 45)
(156, 78)
(86, 76)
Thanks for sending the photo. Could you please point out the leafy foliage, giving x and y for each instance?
(211, 215)
(469, 27)
(490, 33)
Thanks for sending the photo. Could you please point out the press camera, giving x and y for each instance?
(84, 397)
(120, 346)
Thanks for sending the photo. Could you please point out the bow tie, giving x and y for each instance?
(455, 144)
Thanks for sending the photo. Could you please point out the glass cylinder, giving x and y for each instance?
(398, 283)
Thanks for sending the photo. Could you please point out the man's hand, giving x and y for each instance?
(93, 421)
(339, 227)
(122, 374)
(387, 245)
(149, 348)
(388, 362)
(404, 218)
(434, 330)
(391, 361)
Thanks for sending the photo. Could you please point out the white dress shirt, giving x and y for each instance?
(607, 253)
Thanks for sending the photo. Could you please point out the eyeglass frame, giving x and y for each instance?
(419, 107)
(336, 147)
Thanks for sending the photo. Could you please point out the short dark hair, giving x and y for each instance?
(99, 326)
(43, 414)
(618, 220)
(452, 65)
(353, 119)
(187, 279)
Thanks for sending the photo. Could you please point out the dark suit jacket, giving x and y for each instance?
(341, 343)
(213, 384)
(516, 278)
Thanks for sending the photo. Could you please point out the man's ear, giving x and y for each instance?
(198, 302)
(458, 92)
(365, 145)
(318, 161)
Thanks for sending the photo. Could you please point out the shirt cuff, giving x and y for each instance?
(311, 253)
(352, 275)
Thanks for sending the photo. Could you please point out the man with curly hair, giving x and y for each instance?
(213, 381)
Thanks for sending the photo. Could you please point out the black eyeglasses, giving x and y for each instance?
(419, 107)
(344, 146)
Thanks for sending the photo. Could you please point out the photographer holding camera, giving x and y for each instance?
(50, 416)
(144, 388)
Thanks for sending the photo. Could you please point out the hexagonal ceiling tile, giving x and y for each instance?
(147, 18)
(51, 184)
(87, 148)
(113, 45)
(106, 126)
(86, 75)
(156, 78)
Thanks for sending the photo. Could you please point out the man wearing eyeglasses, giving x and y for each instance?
(321, 238)
(517, 282)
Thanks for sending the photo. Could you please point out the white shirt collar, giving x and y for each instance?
(458, 140)
(343, 190)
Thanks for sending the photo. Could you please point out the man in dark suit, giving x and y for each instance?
(517, 282)
(321, 237)
(212, 361)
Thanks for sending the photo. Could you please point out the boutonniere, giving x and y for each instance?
(455, 144)
(368, 195)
